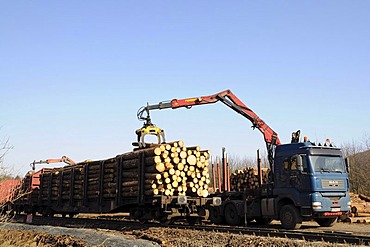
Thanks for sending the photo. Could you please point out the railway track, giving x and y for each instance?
(121, 224)
(331, 237)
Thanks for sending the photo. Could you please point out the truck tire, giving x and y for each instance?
(326, 222)
(289, 217)
(215, 215)
(231, 215)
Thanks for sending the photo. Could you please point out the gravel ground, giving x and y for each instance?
(82, 237)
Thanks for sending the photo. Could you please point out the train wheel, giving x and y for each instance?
(45, 213)
(12, 212)
(71, 215)
(215, 215)
(165, 221)
(143, 221)
(231, 215)
(290, 218)
(64, 215)
(193, 220)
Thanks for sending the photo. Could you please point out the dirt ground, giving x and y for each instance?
(34, 239)
(15, 234)
(178, 237)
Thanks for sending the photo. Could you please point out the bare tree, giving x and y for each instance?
(4, 148)
(359, 157)
(236, 162)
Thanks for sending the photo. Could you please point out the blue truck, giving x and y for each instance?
(306, 182)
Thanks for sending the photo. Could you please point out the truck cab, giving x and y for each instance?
(309, 182)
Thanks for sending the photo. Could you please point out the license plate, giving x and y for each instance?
(335, 209)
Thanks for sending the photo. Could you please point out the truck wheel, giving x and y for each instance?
(215, 215)
(290, 218)
(326, 222)
(231, 215)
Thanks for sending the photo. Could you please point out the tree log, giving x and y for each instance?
(365, 198)
(191, 160)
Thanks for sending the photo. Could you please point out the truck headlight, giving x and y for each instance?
(182, 200)
(316, 205)
(216, 201)
(349, 204)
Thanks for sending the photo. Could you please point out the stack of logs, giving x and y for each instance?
(360, 204)
(166, 169)
(173, 169)
(62, 176)
(247, 179)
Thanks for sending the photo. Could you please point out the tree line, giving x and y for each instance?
(358, 153)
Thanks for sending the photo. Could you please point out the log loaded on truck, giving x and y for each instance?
(306, 182)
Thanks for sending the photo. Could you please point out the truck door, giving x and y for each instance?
(293, 179)
(298, 173)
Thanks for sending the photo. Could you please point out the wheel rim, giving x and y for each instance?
(288, 218)
(231, 215)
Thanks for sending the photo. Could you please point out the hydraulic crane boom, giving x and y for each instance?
(229, 99)
(64, 159)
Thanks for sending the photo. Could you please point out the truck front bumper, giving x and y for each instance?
(326, 204)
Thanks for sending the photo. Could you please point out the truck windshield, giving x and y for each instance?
(327, 164)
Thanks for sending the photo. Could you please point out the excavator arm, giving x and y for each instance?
(229, 99)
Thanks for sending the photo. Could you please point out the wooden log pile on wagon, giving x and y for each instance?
(163, 169)
(179, 170)
(247, 179)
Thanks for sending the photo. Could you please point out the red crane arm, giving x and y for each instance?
(64, 159)
(229, 99)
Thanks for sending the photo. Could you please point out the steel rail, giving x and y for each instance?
(331, 237)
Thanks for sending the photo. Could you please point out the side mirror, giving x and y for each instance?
(299, 163)
(346, 160)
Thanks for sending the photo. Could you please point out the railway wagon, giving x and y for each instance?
(7, 189)
(120, 184)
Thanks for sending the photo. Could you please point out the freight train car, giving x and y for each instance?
(7, 189)
(143, 183)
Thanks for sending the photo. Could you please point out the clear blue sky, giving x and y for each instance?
(74, 73)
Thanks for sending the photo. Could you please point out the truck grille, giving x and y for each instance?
(332, 184)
